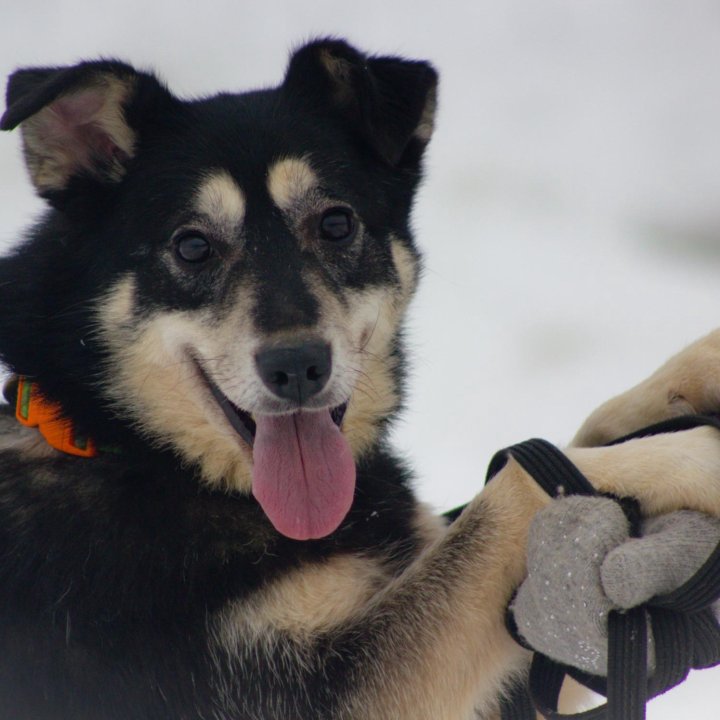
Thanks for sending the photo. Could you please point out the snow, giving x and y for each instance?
(570, 219)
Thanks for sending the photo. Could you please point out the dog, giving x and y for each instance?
(200, 513)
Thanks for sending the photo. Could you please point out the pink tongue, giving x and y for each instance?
(304, 473)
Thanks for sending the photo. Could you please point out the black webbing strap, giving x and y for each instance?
(627, 654)
(686, 632)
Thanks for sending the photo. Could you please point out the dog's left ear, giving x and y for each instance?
(78, 121)
(389, 101)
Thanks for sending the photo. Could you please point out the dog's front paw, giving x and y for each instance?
(688, 383)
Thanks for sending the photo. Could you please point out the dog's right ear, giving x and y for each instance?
(78, 121)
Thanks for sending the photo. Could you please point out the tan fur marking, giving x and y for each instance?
(310, 600)
(449, 652)
(693, 457)
(407, 268)
(443, 649)
(157, 383)
(365, 328)
(26, 441)
(220, 199)
(361, 332)
(50, 157)
(429, 525)
(339, 71)
(426, 126)
(446, 649)
(336, 67)
(684, 385)
(118, 308)
(289, 181)
(375, 394)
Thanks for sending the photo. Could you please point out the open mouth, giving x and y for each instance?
(241, 420)
(303, 473)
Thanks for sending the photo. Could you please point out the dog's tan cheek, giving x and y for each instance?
(368, 319)
(376, 394)
(153, 383)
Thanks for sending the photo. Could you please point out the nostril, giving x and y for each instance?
(313, 374)
(279, 378)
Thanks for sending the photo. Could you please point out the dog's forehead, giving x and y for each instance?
(265, 142)
(221, 197)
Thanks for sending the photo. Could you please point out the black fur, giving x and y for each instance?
(111, 567)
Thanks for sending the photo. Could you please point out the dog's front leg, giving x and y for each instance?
(687, 383)
(432, 645)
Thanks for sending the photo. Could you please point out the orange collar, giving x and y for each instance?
(33, 410)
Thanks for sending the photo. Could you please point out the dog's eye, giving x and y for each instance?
(192, 247)
(337, 225)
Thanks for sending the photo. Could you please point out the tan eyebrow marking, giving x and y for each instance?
(220, 199)
(289, 180)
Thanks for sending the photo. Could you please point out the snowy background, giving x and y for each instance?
(570, 220)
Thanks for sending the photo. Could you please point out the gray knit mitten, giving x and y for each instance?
(582, 564)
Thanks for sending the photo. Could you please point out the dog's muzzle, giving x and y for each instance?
(295, 372)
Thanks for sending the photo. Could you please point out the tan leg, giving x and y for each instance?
(443, 648)
(688, 383)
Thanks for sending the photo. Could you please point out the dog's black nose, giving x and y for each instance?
(295, 372)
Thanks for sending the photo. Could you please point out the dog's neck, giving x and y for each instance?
(35, 411)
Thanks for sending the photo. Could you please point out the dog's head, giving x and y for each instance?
(226, 276)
